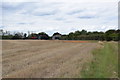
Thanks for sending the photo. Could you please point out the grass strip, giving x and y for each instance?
(104, 63)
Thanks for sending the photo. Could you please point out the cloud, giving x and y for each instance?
(86, 17)
(59, 15)
(70, 1)
(11, 7)
(75, 12)
(23, 23)
(44, 12)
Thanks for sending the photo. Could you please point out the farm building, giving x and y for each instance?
(56, 36)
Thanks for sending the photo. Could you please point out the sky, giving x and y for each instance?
(61, 16)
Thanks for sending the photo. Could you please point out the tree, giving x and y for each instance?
(17, 36)
(109, 35)
(25, 36)
(83, 32)
(43, 35)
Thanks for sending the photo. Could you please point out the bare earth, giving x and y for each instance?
(44, 59)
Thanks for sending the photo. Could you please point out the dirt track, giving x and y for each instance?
(44, 59)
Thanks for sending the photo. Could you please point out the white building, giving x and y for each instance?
(56, 36)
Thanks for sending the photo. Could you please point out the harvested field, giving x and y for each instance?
(77, 41)
(44, 59)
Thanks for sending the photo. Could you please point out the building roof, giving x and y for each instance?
(56, 34)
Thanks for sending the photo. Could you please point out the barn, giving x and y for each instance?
(56, 36)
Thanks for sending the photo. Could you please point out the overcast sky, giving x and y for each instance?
(62, 16)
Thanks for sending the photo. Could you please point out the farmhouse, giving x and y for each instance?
(56, 36)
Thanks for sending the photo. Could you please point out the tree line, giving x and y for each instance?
(109, 35)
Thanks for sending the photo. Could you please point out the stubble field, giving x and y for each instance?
(45, 58)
